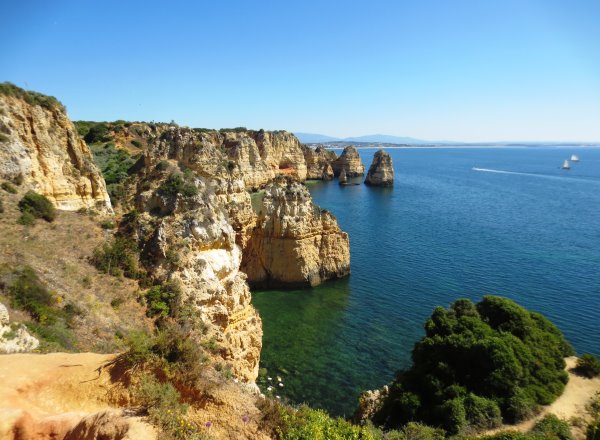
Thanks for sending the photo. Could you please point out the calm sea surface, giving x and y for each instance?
(458, 223)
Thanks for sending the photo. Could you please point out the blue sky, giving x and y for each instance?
(469, 70)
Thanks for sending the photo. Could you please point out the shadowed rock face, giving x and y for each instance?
(349, 161)
(294, 243)
(381, 171)
(40, 147)
(318, 162)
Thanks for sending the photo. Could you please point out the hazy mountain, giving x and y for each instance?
(386, 139)
(313, 138)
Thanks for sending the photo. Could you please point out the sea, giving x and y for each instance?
(458, 223)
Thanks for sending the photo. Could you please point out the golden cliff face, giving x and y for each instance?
(294, 242)
(318, 162)
(381, 171)
(188, 240)
(40, 147)
(350, 162)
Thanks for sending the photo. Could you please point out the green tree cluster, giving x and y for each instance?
(479, 364)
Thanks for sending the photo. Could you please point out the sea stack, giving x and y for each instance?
(381, 171)
(343, 179)
(349, 161)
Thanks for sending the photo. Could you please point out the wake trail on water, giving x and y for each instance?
(544, 176)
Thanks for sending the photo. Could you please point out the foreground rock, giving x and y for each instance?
(294, 243)
(381, 171)
(40, 148)
(14, 338)
(350, 162)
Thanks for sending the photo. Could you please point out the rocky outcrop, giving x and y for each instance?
(14, 338)
(318, 162)
(294, 242)
(369, 403)
(349, 161)
(40, 147)
(187, 240)
(381, 171)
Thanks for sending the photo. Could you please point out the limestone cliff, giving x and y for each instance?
(318, 162)
(187, 240)
(381, 171)
(40, 147)
(349, 161)
(294, 241)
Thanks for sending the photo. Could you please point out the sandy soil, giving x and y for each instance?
(45, 396)
(570, 405)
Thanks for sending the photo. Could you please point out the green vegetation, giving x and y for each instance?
(162, 300)
(97, 133)
(32, 98)
(477, 365)
(307, 423)
(136, 143)
(37, 206)
(6, 186)
(588, 365)
(593, 429)
(115, 166)
(26, 219)
(51, 323)
(178, 183)
(235, 129)
(118, 257)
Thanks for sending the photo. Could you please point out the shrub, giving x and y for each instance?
(117, 257)
(416, 431)
(162, 300)
(97, 133)
(108, 224)
(6, 186)
(176, 184)
(307, 423)
(26, 219)
(38, 206)
(588, 365)
(553, 428)
(136, 143)
(479, 363)
(32, 98)
(27, 292)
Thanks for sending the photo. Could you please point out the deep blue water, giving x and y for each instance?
(444, 231)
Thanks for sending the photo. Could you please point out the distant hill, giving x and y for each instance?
(387, 139)
(313, 138)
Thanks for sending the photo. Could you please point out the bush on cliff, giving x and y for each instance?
(32, 98)
(476, 365)
(588, 365)
(118, 257)
(178, 183)
(38, 206)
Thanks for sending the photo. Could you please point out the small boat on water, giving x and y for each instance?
(574, 158)
(566, 165)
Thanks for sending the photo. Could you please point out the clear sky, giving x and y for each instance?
(468, 70)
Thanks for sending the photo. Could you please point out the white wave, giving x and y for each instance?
(544, 176)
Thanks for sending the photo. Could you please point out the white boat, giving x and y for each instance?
(566, 165)
(574, 158)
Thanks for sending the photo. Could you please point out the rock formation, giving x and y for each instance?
(40, 147)
(188, 241)
(14, 338)
(343, 179)
(318, 162)
(294, 241)
(381, 171)
(349, 161)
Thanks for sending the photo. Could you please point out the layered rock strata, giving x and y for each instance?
(187, 240)
(349, 161)
(381, 171)
(40, 148)
(294, 242)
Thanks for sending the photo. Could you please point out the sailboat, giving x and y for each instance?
(566, 165)
(574, 158)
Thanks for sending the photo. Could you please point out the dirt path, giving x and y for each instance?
(571, 404)
(46, 396)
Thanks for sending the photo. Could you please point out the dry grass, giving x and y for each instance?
(59, 253)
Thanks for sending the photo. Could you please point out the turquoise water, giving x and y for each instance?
(521, 228)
